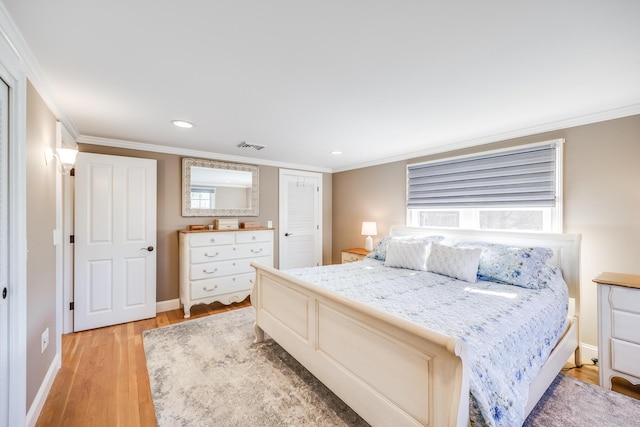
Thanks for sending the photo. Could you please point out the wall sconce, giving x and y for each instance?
(66, 158)
(369, 229)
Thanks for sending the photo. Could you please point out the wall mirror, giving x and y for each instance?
(214, 188)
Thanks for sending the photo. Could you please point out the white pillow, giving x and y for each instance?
(407, 254)
(459, 263)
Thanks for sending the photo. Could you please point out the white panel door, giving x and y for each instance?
(115, 239)
(300, 224)
(4, 255)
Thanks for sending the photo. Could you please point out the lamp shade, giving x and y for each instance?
(369, 228)
(67, 157)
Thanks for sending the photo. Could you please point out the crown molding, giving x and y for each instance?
(615, 113)
(108, 142)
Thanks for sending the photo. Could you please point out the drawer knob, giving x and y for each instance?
(212, 240)
(256, 252)
(209, 272)
(211, 256)
(253, 237)
(204, 288)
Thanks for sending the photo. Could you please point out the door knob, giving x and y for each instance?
(288, 234)
(148, 248)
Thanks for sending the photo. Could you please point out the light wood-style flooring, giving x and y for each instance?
(103, 380)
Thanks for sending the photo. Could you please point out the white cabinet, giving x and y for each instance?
(618, 327)
(215, 265)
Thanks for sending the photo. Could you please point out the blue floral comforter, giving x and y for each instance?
(509, 330)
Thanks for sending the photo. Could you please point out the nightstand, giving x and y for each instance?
(618, 332)
(353, 254)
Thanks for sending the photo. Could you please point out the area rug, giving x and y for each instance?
(569, 402)
(208, 372)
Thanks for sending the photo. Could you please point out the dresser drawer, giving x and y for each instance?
(222, 285)
(349, 257)
(625, 299)
(213, 253)
(253, 250)
(221, 268)
(625, 357)
(624, 326)
(208, 239)
(254, 236)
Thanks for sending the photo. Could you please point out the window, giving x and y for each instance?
(203, 198)
(514, 189)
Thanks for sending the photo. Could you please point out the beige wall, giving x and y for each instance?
(41, 259)
(170, 218)
(601, 201)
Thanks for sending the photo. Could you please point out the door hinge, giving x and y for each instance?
(72, 239)
(71, 305)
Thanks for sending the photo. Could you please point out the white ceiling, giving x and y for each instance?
(374, 79)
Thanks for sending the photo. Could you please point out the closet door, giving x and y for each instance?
(4, 255)
(115, 239)
(300, 228)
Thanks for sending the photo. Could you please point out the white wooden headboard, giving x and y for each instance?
(566, 247)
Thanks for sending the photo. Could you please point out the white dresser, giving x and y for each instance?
(618, 327)
(215, 265)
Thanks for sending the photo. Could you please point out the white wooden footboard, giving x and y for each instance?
(390, 371)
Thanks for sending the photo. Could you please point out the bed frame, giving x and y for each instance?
(401, 373)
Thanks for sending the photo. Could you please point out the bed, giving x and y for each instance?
(389, 368)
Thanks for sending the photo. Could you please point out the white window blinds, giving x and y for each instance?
(524, 177)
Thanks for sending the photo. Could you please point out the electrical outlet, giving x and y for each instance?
(45, 340)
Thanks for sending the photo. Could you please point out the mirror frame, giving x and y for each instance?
(187, 210)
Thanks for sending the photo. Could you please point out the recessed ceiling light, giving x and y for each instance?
(336, 152)
(182, 124)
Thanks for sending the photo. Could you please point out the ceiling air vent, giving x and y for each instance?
(245, 145)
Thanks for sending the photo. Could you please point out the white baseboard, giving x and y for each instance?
(588, 352)
(43, 392)
(167, 305)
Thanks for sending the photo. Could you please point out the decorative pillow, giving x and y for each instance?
(459, 263)
(407, 254)
(380, 250)
(512, 265)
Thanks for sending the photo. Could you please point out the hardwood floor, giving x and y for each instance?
(103, 380)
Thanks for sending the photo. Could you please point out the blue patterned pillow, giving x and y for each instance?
(380, 250)
(513, 265)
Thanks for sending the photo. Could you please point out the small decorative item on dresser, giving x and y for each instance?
(226, 224)
(618, 333)
(250, 224)
(196, 227)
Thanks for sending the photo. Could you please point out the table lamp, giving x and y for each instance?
(369, 229)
